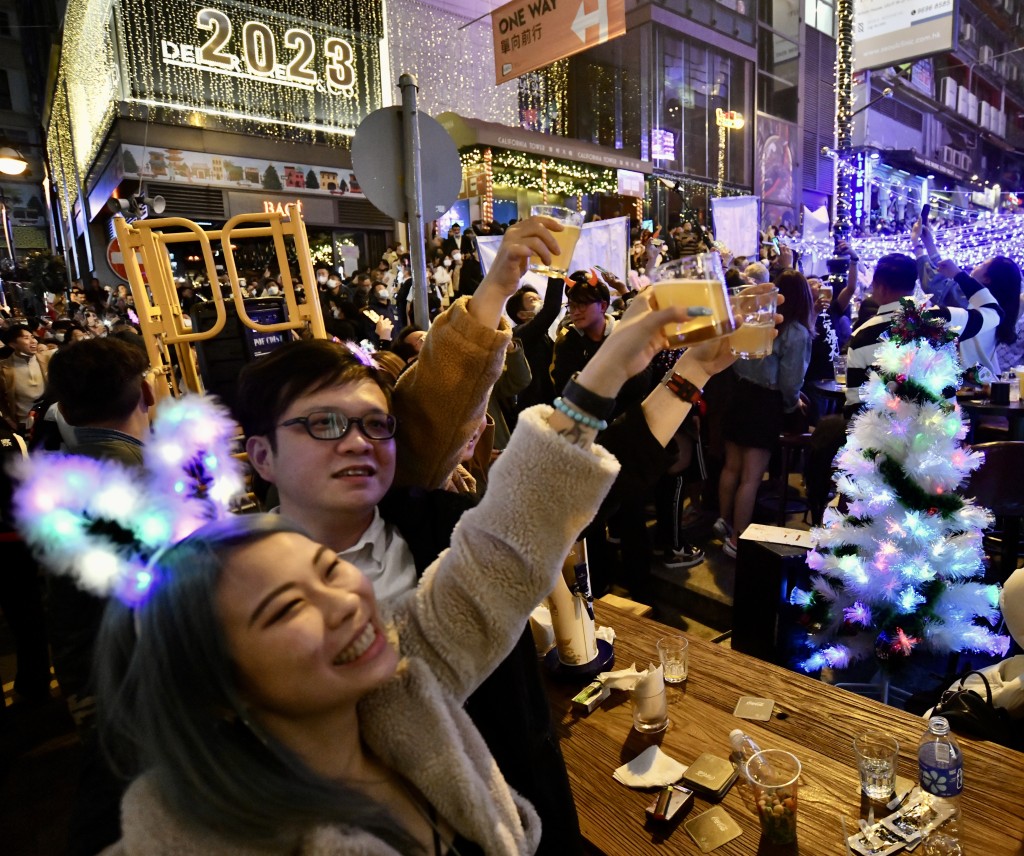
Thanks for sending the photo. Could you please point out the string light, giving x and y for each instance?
(844, 114)
(488, 195)
(564, 178)
(452, 66)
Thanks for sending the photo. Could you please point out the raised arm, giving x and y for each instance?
(472, 602)
(441, 399)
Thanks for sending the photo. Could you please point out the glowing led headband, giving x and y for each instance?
(102, 522)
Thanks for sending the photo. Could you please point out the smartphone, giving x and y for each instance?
(648, 225)
(775, 243)
(601, 270)
(925, 210)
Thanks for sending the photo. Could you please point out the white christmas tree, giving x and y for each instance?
(899, 570)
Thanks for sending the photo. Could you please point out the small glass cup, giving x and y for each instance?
(675, 658)
(650, 708)
(774, 776)
(572, 222)
(697, 284)
(877, 754)
(755, 311)
(839, 367)
(825, 292)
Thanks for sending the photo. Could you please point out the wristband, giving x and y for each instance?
(581, 397)
(563, 407)
(685, 390)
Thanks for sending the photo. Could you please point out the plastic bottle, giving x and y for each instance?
(743, 749)
(1014, 379)
(941, 765)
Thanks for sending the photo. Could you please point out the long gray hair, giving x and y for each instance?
(169, 706)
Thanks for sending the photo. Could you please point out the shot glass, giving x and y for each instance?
(774, 776)
(696, 283)
(650, 707)
(675, 658)
(876, 754)
(755, 311)
(572, 222)
(839, 367)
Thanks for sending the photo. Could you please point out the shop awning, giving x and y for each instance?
(475, 132)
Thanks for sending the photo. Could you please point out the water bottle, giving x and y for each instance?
(743, 749)
(941, 765)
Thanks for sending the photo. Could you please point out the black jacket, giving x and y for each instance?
(510, 708)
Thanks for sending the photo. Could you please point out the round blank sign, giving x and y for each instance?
(379, 164)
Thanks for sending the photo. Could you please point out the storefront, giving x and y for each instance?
(221, 110)
(507, 170)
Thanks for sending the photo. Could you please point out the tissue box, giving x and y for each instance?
(710, 776)
(590, 697)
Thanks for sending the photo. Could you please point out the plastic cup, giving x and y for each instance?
(675, 658)
(774, 776)
(839, 367)
(876, 760)
(755, 311)
(572, 222)
(697, 284)
(650, 709)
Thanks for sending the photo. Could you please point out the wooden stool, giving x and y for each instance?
(789, 443)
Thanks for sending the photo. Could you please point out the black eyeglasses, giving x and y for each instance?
(332, 425)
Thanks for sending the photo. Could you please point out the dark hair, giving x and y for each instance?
(15, 330)
(799, 303)
(515, 302)
(96, 380)
(897, 272)
(585, 290)
(169, 705)
(268, 386)
(1004, 284)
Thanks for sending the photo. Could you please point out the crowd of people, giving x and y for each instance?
(274, 691)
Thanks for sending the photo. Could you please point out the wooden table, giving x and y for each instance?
(1014, 412)
(815, 721)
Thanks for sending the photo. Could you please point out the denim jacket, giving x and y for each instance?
(785, 367)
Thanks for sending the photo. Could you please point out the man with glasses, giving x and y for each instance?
(360, 467)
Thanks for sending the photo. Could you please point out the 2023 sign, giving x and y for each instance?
(260, 57)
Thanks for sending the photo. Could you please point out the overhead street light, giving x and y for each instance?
(11, 161)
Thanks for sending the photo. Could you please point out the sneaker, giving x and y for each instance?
(722, 529)
(685, 557)
(729, 549)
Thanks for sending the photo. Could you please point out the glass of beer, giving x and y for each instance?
(698, 284)
(571, 222)
(755, 312)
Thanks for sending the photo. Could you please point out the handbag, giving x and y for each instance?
(969, 713)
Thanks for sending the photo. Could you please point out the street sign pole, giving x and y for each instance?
(414, 199)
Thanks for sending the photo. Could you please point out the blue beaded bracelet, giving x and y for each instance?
(584, 419)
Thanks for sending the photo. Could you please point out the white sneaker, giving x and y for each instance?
(722, 529)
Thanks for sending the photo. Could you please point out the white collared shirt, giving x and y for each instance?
(384, 556)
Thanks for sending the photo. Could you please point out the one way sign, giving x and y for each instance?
(530, 34)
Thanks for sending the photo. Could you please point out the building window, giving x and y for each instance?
(5, 91)
(694, 82)
(821, 14)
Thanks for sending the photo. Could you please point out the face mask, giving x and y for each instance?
(447, 262)
(322, 280)
(59, 336)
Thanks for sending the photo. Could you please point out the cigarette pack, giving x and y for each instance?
(590, 697)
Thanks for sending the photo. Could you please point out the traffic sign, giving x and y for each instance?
(379, 162)
(115, 261)
(529, 34)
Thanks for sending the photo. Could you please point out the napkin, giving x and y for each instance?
(652, 768)
(621, 679)
(605, 633)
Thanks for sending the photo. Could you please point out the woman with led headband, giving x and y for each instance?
(249, 675)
